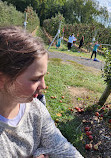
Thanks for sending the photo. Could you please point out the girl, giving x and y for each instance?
(26, 127)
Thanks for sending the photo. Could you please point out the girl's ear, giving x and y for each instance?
(2, 80)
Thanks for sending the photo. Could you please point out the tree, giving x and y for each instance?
(107, 75)
(83, 11)
(74, 11)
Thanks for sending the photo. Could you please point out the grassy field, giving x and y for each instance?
(60, 78)
(70, 84)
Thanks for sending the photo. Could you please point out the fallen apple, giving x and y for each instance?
(57, 120)
(87, 128)
(109, 121)
(97, 114)
(77, 108)
(90, 137)
(95, 147)
(72, 109)
(46, 87)
(82, 110)
(88, 133)
(88, 146)
(103, 108)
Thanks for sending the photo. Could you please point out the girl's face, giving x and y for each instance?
(30, 82)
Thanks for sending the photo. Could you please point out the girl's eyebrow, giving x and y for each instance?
(34, 77)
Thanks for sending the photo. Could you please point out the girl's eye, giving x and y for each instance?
(35, 80)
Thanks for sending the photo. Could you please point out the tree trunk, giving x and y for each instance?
(105, 95)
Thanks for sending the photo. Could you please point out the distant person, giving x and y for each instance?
(58, 42)
(81, 42)
(96, 45)
(71, 40)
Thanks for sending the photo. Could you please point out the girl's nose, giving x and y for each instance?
(42, 84)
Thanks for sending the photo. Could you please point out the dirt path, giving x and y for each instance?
(80, 60)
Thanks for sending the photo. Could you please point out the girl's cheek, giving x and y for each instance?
(28, 89)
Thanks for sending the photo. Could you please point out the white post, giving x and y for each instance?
(25, 22)
(58, 32)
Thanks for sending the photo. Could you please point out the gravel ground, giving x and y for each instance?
(83, 61)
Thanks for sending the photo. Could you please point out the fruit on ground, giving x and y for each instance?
(109, 121)
(97, 114)
(88, 133)
(95, 147)
(88, 146)
(72, 109)
(90, 137)
(87, 128)
(77, 108)
(57, 120)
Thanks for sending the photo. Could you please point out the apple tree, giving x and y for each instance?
(107, 76)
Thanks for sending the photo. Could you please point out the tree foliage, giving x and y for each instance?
(107, 77)
(107, 68)
(52, 25)
(32, 19)
(9, 15)
(74, 11)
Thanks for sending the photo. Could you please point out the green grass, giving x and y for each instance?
(61, 75)
(71, 74)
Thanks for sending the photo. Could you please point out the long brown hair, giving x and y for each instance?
(18, 50)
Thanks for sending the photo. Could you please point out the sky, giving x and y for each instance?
(106, 3)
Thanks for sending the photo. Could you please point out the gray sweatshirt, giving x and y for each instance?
(35, 134)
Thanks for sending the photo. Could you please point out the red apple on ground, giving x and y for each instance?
(88, 146)
(101, 115)
(88, 133)
(72, 109)
(90, 137)
(97, 114)
(87, 128)
(62, 97)
(77, 108)
(109, 121)
(46, 87)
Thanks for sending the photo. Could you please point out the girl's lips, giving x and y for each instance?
(35, 95)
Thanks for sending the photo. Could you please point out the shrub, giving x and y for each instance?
(107, 68)
(52, 25)
(32, 19)
(9, 15)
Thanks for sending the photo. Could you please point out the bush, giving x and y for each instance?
(107, 68)
(32, 19)
(52, 25)
(10, 16)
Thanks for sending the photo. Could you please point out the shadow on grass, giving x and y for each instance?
(72, 132)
